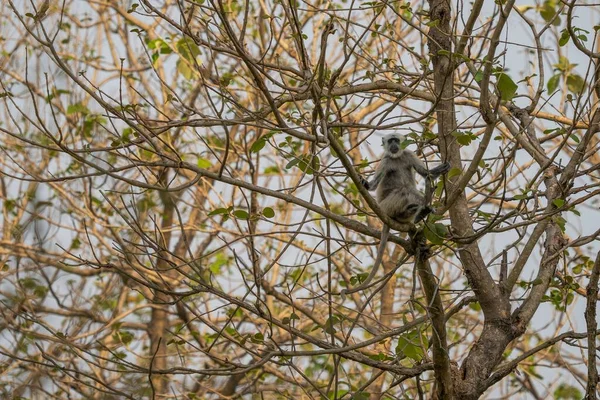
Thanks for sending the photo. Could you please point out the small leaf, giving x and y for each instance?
(77, 108)
(273, 169)
(292, 163)
(258, 145)
(188, 48)
(309, 164)
(575, 83)
(218, 211)
(268, 212)
(257, 338)
(410, 344)
(435, 233)
(564, 38)
(464, 138)
(553, 83)
(454, 172)
(241, 214)
(204, 163)
(575, 138)
(507, 87)
(558, 202)
(548, 11)
(185, 70)
(329, 325)
(479, 76)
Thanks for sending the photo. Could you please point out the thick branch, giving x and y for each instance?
(592, 329)
(435, 309)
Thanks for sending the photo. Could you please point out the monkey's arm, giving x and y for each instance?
(439, 170)
(424, 172)
(371, 185)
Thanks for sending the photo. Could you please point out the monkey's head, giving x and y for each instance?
(391, 144)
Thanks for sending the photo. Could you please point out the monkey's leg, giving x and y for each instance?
(426, 208)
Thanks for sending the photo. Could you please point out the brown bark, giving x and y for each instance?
(591, 391)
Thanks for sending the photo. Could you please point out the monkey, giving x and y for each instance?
(397, 194)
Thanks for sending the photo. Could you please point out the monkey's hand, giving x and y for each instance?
(440, 170)
(365, 183)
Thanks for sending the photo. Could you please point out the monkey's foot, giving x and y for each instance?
(424, 250)
(423, 213)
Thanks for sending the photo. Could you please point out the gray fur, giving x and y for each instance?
(396, 192)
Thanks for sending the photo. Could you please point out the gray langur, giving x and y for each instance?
(397, 193)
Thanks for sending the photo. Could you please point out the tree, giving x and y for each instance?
(181, 202)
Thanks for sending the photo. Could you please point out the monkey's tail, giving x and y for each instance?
(385, 234)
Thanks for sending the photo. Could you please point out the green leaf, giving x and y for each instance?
(454, 172)
(548, 11)
(292, 163)
(218, 211)
(464, 138)
(272, 170)
(268, 212)
(507, 87)
(553, 83)
(77, 108)
(204, 163)
(558, 202)
(564, 38)
(75, 244)
(575, 83)
(258, 145)
(257, 338)
(241, 214)
(410, 344)
(220, 260)
(287, 320)
(309, 164)
(188, 49)
(185, 70)
(479, 76)
(561, 222)
(124, 337)
(567, 392)
(435, 233)
(160, 46)
(329, 324)
(574, 211)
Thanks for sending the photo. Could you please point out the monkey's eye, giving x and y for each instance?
(393, 140)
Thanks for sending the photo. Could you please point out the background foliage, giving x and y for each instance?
(180, 199)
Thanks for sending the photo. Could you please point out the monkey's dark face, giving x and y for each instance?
(393, 144)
